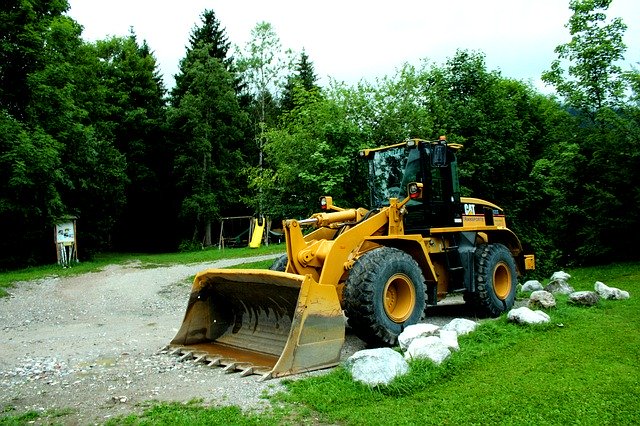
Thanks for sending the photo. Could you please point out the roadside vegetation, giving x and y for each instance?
(583, 367)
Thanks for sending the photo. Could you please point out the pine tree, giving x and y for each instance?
(212, 37)
(135, 121)
(303, 78)
(208, 129)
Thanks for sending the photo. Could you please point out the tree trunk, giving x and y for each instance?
(207, 234)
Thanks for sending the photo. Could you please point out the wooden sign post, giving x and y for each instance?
(65, 239)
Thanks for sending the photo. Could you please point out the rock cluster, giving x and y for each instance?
(558, 284)
(420, 341)
(428, 341)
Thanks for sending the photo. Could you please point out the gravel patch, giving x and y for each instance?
(87, 345)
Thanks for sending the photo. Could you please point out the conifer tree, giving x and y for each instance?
(303, 78)
(208, 132)
(212, 37)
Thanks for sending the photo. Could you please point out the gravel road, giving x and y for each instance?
(87, 345)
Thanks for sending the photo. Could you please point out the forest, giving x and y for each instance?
(89, 129)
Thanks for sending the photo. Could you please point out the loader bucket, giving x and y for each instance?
(261, 322)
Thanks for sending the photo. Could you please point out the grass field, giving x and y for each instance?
(582, 368)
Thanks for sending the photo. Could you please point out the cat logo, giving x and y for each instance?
(470, 209)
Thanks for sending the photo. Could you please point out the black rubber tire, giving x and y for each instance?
(280, 264)
(496, 280)
(384, 275)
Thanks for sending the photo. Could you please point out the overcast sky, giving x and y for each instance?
(350, 40)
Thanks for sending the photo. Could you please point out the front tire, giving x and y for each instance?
(495, 276)
(384, 293)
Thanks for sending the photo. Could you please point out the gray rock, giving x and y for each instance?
(532, 285)
(611, 293)
(430, 347)
(542, 299)
(559, 287)
(524, 315)
(415, 331)
(584, 298)
(461, 326)
(558, 283)
(376, 366)
(560, 276)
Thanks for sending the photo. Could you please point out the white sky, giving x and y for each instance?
(350, 40)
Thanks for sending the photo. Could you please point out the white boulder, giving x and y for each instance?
(414, 331)
(430, 347)
(524, 315)
(610, 292)
(375, 367)
(558, 283)
(450, 339)
(461, 326)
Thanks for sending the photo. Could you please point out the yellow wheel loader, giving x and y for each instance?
(378, 268)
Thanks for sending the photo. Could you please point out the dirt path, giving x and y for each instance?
(86, 346)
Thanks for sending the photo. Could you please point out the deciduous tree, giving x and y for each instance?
(593, 75)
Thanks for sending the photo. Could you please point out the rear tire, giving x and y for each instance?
(384, 293)
(495, 276)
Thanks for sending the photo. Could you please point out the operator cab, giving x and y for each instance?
(430, 163)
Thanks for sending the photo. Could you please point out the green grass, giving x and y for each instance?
(192, 414)
(30, 417)
(582, 368)
(8, 279)
(585, 371)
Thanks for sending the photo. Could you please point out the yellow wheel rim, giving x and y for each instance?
(399, 298)
(502, 280)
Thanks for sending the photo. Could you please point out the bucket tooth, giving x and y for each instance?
(231, 367)
(213, 361)
(242, 367)
(200, 358)
(176, 351)
(163, 350)
(266, 376)
(247, 371)
(186, 355)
